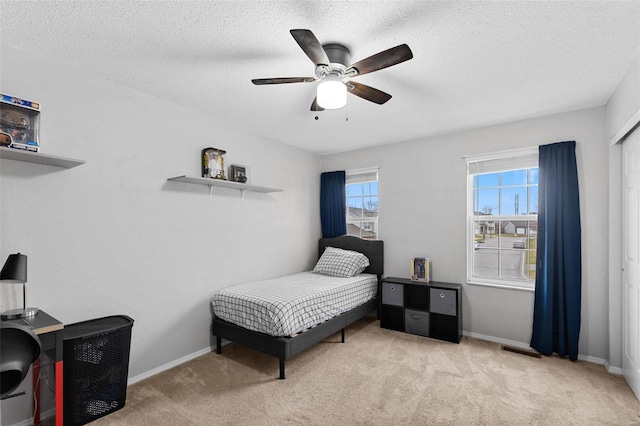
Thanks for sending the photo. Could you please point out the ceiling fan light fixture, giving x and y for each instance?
(332, 93)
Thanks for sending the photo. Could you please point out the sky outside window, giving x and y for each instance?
(509, 193)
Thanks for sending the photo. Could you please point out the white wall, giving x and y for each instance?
(114, 237)
(625, 101)
(423, 213)
(622, 112)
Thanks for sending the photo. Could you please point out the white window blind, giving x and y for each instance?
(362, 175)
(502, 161)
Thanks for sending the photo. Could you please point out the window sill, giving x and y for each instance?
(503, 285)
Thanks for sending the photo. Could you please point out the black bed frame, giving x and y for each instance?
(284, 348)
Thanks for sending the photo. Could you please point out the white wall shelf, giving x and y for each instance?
(39, 158)
(242, 187)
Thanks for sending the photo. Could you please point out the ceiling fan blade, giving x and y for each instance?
(282, 80)
(382, 60)
(311, 46)
(367, 92)
(315, 106)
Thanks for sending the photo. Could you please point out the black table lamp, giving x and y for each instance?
(15, 271)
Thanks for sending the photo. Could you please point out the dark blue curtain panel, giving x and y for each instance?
(556, 312)
(333, 204)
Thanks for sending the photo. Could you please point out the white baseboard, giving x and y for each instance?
(527, 346)
(612, 370)
(168, 366)
(513, 343)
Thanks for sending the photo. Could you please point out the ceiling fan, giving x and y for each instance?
(334, 72)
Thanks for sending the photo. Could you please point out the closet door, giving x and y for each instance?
(631, 260)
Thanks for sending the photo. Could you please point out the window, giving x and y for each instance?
(362, 203)
(503, 218)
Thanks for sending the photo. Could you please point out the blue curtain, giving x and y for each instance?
(556, 311)
(333, 204)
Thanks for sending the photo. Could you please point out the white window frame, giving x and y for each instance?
(356, 176)
(490, 163)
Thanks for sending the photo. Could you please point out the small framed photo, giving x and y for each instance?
(213, 163)
(420, 269)
(238, 173)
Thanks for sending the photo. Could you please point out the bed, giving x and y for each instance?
(284, 339)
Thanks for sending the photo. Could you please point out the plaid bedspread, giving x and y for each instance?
(288, 305)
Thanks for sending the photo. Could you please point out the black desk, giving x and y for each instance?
(51, 333)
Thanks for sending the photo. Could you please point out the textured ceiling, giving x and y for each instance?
(475, 63)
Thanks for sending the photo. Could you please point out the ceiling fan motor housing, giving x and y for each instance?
(338, 54)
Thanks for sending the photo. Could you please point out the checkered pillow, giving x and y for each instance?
(336, 262)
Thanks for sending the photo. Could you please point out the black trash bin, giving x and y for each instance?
(96, 368)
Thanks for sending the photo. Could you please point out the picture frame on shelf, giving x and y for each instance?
(238, 173)
(213, 163)
(420, 269)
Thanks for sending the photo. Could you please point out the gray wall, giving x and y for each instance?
(423, 213)
(114, 237)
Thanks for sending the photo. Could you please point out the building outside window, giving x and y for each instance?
(502, 218)
(362, 203)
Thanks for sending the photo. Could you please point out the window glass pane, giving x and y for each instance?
(370, 206)
(486, 181)
(370, 188)
(512, 264)
(362, 205)
(533, 199)
(485, 233)
(354, 208)
(486, 201)
(355, 202)
(368, 230)
(504, 227)
(505, 237)
(514, 177)
(354, 190)
(485, 263)
(513, 201)
(530, 264)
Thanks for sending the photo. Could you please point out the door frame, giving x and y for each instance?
(613, 363)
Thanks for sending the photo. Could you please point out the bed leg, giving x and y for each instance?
(342, 335)
(281, 369)
(218, 345)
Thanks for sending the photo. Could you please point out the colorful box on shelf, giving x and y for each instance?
(421, 269)
(19, 123)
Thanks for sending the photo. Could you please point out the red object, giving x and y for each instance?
(59, 393)
(36, 392)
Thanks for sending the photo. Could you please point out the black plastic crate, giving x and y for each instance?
(96, 368)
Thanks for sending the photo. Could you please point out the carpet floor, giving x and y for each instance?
(381, 377)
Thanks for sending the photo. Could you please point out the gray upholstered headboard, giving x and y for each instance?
(373, 249)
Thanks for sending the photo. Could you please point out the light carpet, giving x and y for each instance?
(381, 377)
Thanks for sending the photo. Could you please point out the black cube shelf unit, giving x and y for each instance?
(431, 309)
